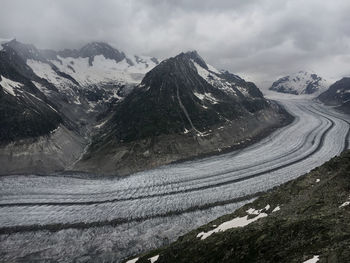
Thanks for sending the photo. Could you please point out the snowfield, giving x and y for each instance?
(9, 85)
(68, 218)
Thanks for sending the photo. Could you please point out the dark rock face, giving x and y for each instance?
(175, 113)
(99, 48)
(29, 113)
(169, 101)
(25, 117)
(312, 220)
(196, 58)
(28, 51)
(338, 94)
(251, 88)
(13, 64)
(25, 51)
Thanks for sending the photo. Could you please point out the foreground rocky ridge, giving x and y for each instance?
(304, 219)
(182, 109)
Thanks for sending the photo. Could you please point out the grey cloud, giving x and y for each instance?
(258, 39)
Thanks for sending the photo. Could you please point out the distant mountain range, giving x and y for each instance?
(96, 109)
(337, 94)
(300, 83)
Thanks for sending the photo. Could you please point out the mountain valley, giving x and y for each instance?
(97, 110)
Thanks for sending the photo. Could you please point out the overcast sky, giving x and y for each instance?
(258, 39)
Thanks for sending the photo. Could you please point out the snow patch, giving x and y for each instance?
(45, 71)
(211, 98)
(208, 96)
(234, 223)
(252, 211)
(318, 180)
(98, 126)
(77, 101)
(199, 95)
(213, 79)
(277, 208)
(243, 90)
(132, 260)
(154, 259)
(212, 69)
(312, 260)
(9, 85)
(104, 70)
(344, 204)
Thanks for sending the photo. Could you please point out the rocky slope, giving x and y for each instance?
(304, 219)
(338, 95)
(183, 108)
(300, 83)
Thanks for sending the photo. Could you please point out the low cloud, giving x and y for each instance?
(260, 40)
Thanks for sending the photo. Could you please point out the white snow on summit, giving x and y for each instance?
(44, 70)
(300, 83)
(95, 70)
(212, 76)
(104, 70)
(73, 75)
(9, 85)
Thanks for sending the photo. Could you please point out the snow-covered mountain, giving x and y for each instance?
(182, 108)
(93, 76)
(300, 83)
(92, 69)
(94, 64)
(59, 96)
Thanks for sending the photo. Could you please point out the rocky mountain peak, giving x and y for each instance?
(100, 48)
(182, 93)
(196, 58)
(338, 95)
(26, 51)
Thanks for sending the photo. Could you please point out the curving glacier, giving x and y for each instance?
(73, 217)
